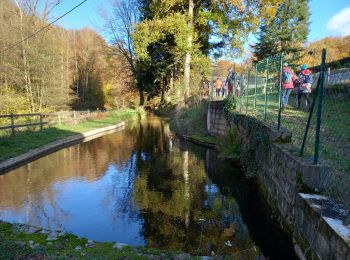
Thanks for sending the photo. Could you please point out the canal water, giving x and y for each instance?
(144, 187)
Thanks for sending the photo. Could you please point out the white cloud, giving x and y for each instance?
(339, 24)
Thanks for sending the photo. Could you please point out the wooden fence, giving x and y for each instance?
(13, 126)
(41, 119)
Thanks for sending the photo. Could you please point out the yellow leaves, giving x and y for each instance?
(151, 31)
(12, 101)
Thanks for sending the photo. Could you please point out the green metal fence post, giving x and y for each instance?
(240, 93)
(319, 109)
(234, 89)
(280, 93)
(212, 86)
(267, 78)
(247, 92)
(256, 83)
(309, 119)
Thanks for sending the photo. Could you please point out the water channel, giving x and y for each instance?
(144, 187)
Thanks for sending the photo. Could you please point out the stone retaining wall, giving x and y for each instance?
(318, 225)
(216, 122)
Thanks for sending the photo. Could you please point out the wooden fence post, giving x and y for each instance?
(59, 118)
(12, 124)
(74, 117)
(41, 121)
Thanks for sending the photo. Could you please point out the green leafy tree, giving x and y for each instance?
(189, 30)
(286, 33)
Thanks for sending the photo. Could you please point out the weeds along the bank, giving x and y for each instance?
(21, 142)
(19, 241)
(190, 121)
(231, 146)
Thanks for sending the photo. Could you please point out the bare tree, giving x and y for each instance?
(120, 26)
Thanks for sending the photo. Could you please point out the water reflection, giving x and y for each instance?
(140, 186)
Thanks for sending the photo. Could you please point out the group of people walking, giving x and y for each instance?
(226, 89)
(301, 83)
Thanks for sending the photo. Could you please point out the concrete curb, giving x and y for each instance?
(36, 153)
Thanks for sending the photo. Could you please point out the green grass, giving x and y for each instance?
(335, 124)
(21, 142)
(191, 121)
(15, 244)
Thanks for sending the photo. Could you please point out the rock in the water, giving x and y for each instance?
(119, 245)
(52, 236)
(44, 231)
(182, 256)
(228, 243)
(61, 233)
(30, 230)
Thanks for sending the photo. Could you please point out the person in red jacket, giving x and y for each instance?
(288, 78)
(305, 80)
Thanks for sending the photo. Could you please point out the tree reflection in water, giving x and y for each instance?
(141, 186)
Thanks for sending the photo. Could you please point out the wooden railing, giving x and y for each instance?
(61, 117)
(13, 126)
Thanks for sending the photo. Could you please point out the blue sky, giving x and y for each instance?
(321, 25)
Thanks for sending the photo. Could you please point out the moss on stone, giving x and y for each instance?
(301, 186)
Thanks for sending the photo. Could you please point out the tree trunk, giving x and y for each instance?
(187, 65)
(142, 97)
(76, 68)
(26, 75)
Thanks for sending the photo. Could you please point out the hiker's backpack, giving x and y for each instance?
(287, 77)
(307, 79)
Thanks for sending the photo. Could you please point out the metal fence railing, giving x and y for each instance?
(319, 121)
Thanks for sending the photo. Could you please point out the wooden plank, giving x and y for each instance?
(22, 125)
(18, 115)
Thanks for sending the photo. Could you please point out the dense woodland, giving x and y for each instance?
(56, 69)
(152, 51)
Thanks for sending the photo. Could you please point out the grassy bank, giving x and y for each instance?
(21, 142)
(25, 242)
(191, 122)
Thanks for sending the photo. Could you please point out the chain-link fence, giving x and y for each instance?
(318, 116)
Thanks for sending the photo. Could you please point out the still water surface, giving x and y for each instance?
(143, 186)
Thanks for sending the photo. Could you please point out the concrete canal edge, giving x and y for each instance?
(317, 223)
(36, 153)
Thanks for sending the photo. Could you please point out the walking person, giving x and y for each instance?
(288, 78)
(225, 89)
(218, 86)
(231, 80)
(304, 89)
(238, 88)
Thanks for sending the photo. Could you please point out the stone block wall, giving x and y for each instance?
(282, 176)
(217, 124)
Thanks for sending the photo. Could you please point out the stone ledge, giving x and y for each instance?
(36, 153)
(281, 136)
(317, 177)
(320, 221)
